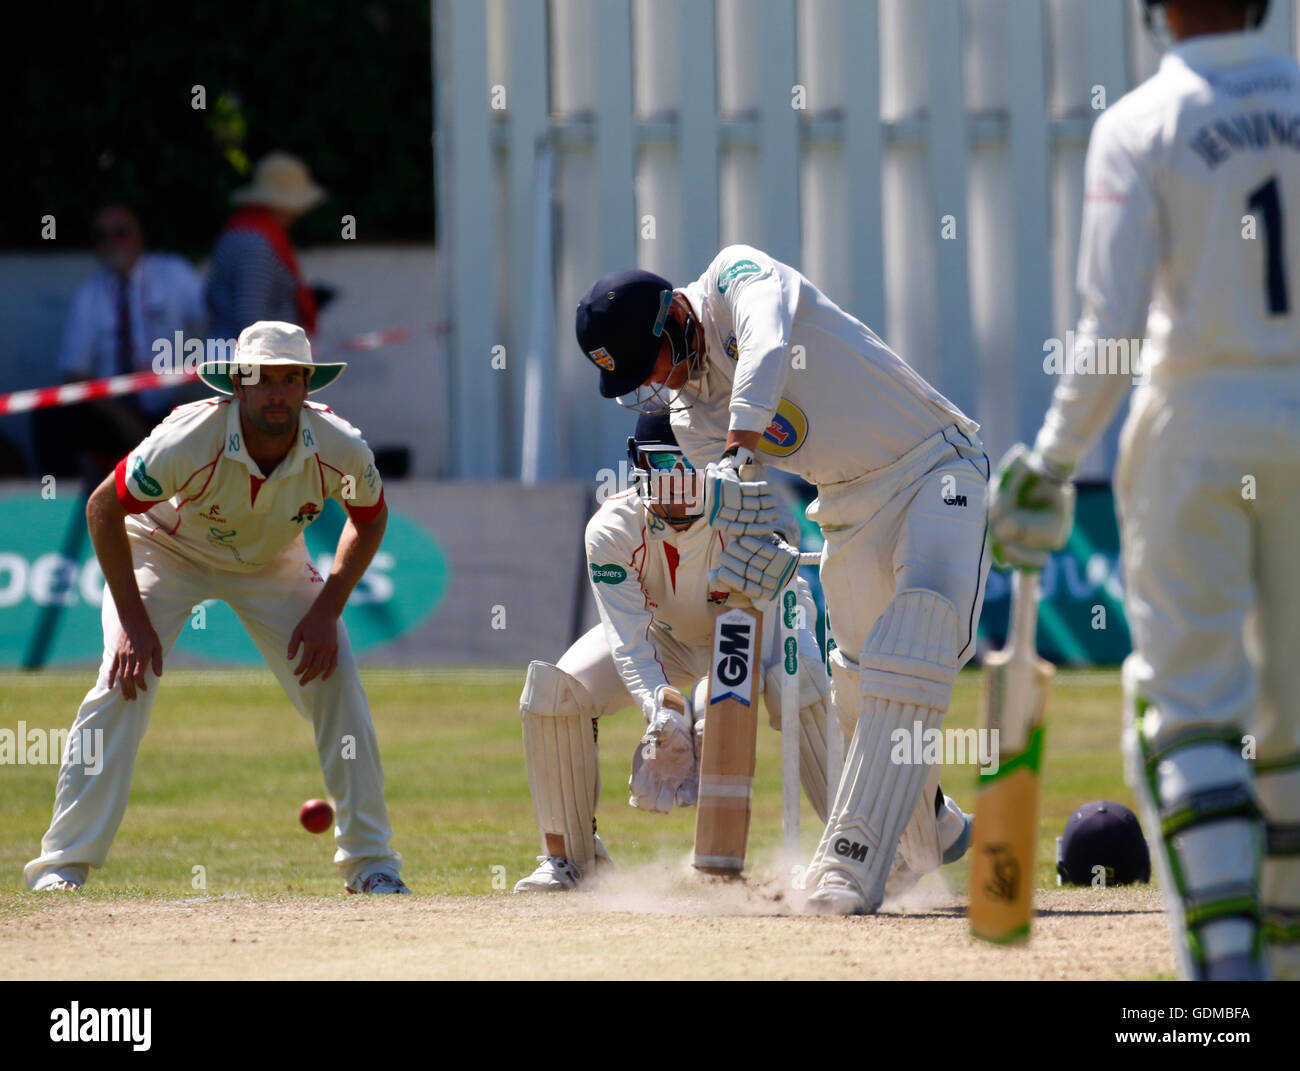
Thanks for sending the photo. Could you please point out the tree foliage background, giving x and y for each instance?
(101, 109)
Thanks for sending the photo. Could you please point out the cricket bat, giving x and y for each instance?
(1005, 830)
(730, 741)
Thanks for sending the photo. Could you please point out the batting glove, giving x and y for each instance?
(758, 568)
(665, 769)
(1031, 509)
(737, 506)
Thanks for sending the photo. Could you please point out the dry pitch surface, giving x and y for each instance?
(636, 928)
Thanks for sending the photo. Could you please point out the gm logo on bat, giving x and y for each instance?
(733, 656)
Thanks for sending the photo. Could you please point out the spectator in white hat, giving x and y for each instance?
(254, 273)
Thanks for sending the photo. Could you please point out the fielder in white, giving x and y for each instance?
(656, 573)
(1191, 233)
(213, 504)
(754, 363)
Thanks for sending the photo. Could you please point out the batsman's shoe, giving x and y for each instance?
(836, 895)
(957, 848)
(380, 883)
(555, 874)
(56, 883)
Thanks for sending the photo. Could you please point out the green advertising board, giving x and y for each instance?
(51, 588)
(1081, 616)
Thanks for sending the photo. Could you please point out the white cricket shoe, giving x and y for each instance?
(380, 883)
(57, 881)
(958, 823)
(836, 894)
(555, 874)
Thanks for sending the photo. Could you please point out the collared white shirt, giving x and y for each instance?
(1191, 232)
(651, 581)
(164, 295)
(831, 400)
(193, 484)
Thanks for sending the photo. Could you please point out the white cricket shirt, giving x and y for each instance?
(192, 484)
(831, 399)
(650, 580)
(1191, 235)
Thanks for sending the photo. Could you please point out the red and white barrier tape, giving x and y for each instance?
(20, 401)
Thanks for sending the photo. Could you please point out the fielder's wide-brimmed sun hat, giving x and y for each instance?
(270, 342)
(280, 181)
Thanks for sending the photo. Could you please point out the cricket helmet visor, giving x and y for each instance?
(666, 482)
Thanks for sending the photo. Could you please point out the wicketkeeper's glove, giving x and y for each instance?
(665, 766)
(757, 567)
(734, 505)
(1031, 509)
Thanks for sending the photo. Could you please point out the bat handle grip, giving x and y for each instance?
(1024, 609)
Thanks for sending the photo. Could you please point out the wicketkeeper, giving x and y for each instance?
(213, 505)
(754, 363)
(660, 578)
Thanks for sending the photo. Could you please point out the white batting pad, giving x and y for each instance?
(563, 768)
(920, 848)
(905, 678)
(1278, 791)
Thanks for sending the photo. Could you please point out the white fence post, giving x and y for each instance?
(527, 104)
(913, 111)
(467, 233)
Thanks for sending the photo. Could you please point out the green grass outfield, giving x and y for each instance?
(227, 762)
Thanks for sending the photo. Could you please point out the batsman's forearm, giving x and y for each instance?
(746, 439)
(356, 550)
(106, 521)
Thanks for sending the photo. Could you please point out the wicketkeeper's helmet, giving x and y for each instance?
(663, 475)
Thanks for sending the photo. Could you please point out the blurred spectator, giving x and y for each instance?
(134, 300)
(254, 273)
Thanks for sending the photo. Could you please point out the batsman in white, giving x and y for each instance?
(660, 577)
(1191, 230)
(213, 504)
(753, 362)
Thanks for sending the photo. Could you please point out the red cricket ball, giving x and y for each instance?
(316, 816)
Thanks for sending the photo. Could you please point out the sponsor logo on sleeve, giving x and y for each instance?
(608, 574)
(787, 431)
(741, 267)
(151, 487)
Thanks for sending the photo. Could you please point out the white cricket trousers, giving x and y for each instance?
(88, 808)
(1206, 490)
(919, 522)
